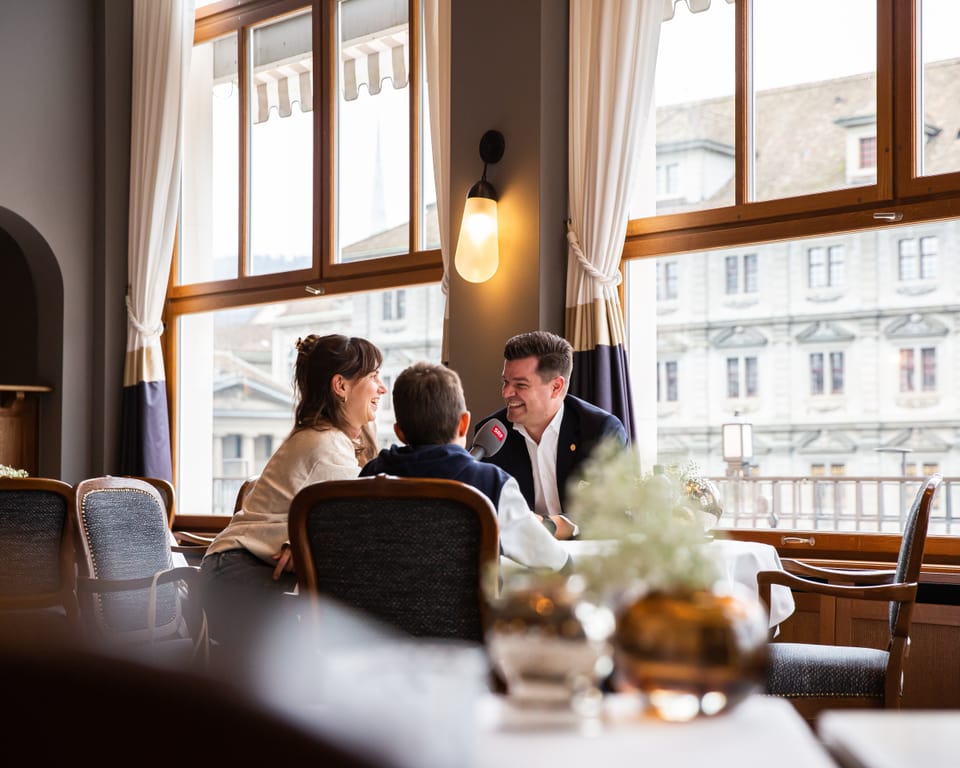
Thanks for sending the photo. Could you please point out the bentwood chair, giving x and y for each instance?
(37, 571)
(413, 553)
(816, 677)
(132, 597)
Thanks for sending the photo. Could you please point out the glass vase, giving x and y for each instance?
(691, 653)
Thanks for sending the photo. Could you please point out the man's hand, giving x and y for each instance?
(566, 528)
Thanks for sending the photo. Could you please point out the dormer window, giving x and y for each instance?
(668, 179)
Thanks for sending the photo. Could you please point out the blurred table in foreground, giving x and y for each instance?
(889, 738)
(762, 732)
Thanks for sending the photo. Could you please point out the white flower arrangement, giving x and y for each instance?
(6, 471)
(650, 520)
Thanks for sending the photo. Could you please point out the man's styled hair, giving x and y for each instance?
(554, 353)
(427, 403)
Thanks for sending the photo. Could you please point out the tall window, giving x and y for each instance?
(918, 258)
(820, 379)
(394, 305)
(825, 266)
(742, 376)
(666, 280)
(741, 279)
(308, 206)
(912, 379)
(667, 390)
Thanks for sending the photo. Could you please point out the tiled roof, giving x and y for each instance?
(801, 131)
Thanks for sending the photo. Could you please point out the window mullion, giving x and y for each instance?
(413, 14)
(743, 111)
(325, 135)
(243, 80)
(890, 99)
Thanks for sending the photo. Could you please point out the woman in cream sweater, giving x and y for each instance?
(248, 566)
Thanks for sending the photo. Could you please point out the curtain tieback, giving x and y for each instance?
(587, 267)
(147, 333)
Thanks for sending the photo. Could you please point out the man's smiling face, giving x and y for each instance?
(530, 401)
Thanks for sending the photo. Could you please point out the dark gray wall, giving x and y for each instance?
(65, 217)
(113, 29)
(509, 72)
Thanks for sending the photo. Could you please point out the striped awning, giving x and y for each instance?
(368, 62)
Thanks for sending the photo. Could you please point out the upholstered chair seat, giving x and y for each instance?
(797, 670)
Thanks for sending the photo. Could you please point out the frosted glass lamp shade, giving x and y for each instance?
(478, 252)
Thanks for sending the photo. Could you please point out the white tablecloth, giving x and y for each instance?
(739, 563)
(759, 733)
(889, 738)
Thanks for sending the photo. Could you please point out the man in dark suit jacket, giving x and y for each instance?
(551, 433)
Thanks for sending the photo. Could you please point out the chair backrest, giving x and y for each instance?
(36, 546)
(243, 492)
(167, 492)
(412, 552)
(910, 558)
(123, 534)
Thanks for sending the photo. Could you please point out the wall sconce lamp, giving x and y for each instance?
(478, 251)
(737, 446)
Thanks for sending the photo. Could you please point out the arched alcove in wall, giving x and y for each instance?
(31, 319)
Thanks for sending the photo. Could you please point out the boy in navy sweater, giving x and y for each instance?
(432, 421)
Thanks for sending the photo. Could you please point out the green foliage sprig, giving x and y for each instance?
(652, 540)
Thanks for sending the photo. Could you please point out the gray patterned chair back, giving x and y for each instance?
(413, 553)
(124, 535)
(36, 545)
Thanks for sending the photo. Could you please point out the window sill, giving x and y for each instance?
(917, 287)
(918, 400)
(823, 296)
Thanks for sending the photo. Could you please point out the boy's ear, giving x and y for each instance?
(399, 433)
(464, 424)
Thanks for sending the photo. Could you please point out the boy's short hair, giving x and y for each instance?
(427, 404)
(554, 353)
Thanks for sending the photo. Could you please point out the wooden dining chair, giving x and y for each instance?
(167, 493)
(131, 594)
(817, 677)
(414, 553)
(37, 571)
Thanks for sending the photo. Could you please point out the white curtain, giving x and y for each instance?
(162, 44)
(436, 32)
(613, 56)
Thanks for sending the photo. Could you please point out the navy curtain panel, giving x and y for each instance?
(601, 376)
(145, 431)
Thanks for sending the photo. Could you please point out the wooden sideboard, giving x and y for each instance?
(20, 425)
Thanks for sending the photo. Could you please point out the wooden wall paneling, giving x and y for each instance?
(932, 675)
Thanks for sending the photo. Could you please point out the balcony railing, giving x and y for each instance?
(841, 503)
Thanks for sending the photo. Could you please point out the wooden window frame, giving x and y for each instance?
(898, 190)
(325, 276)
